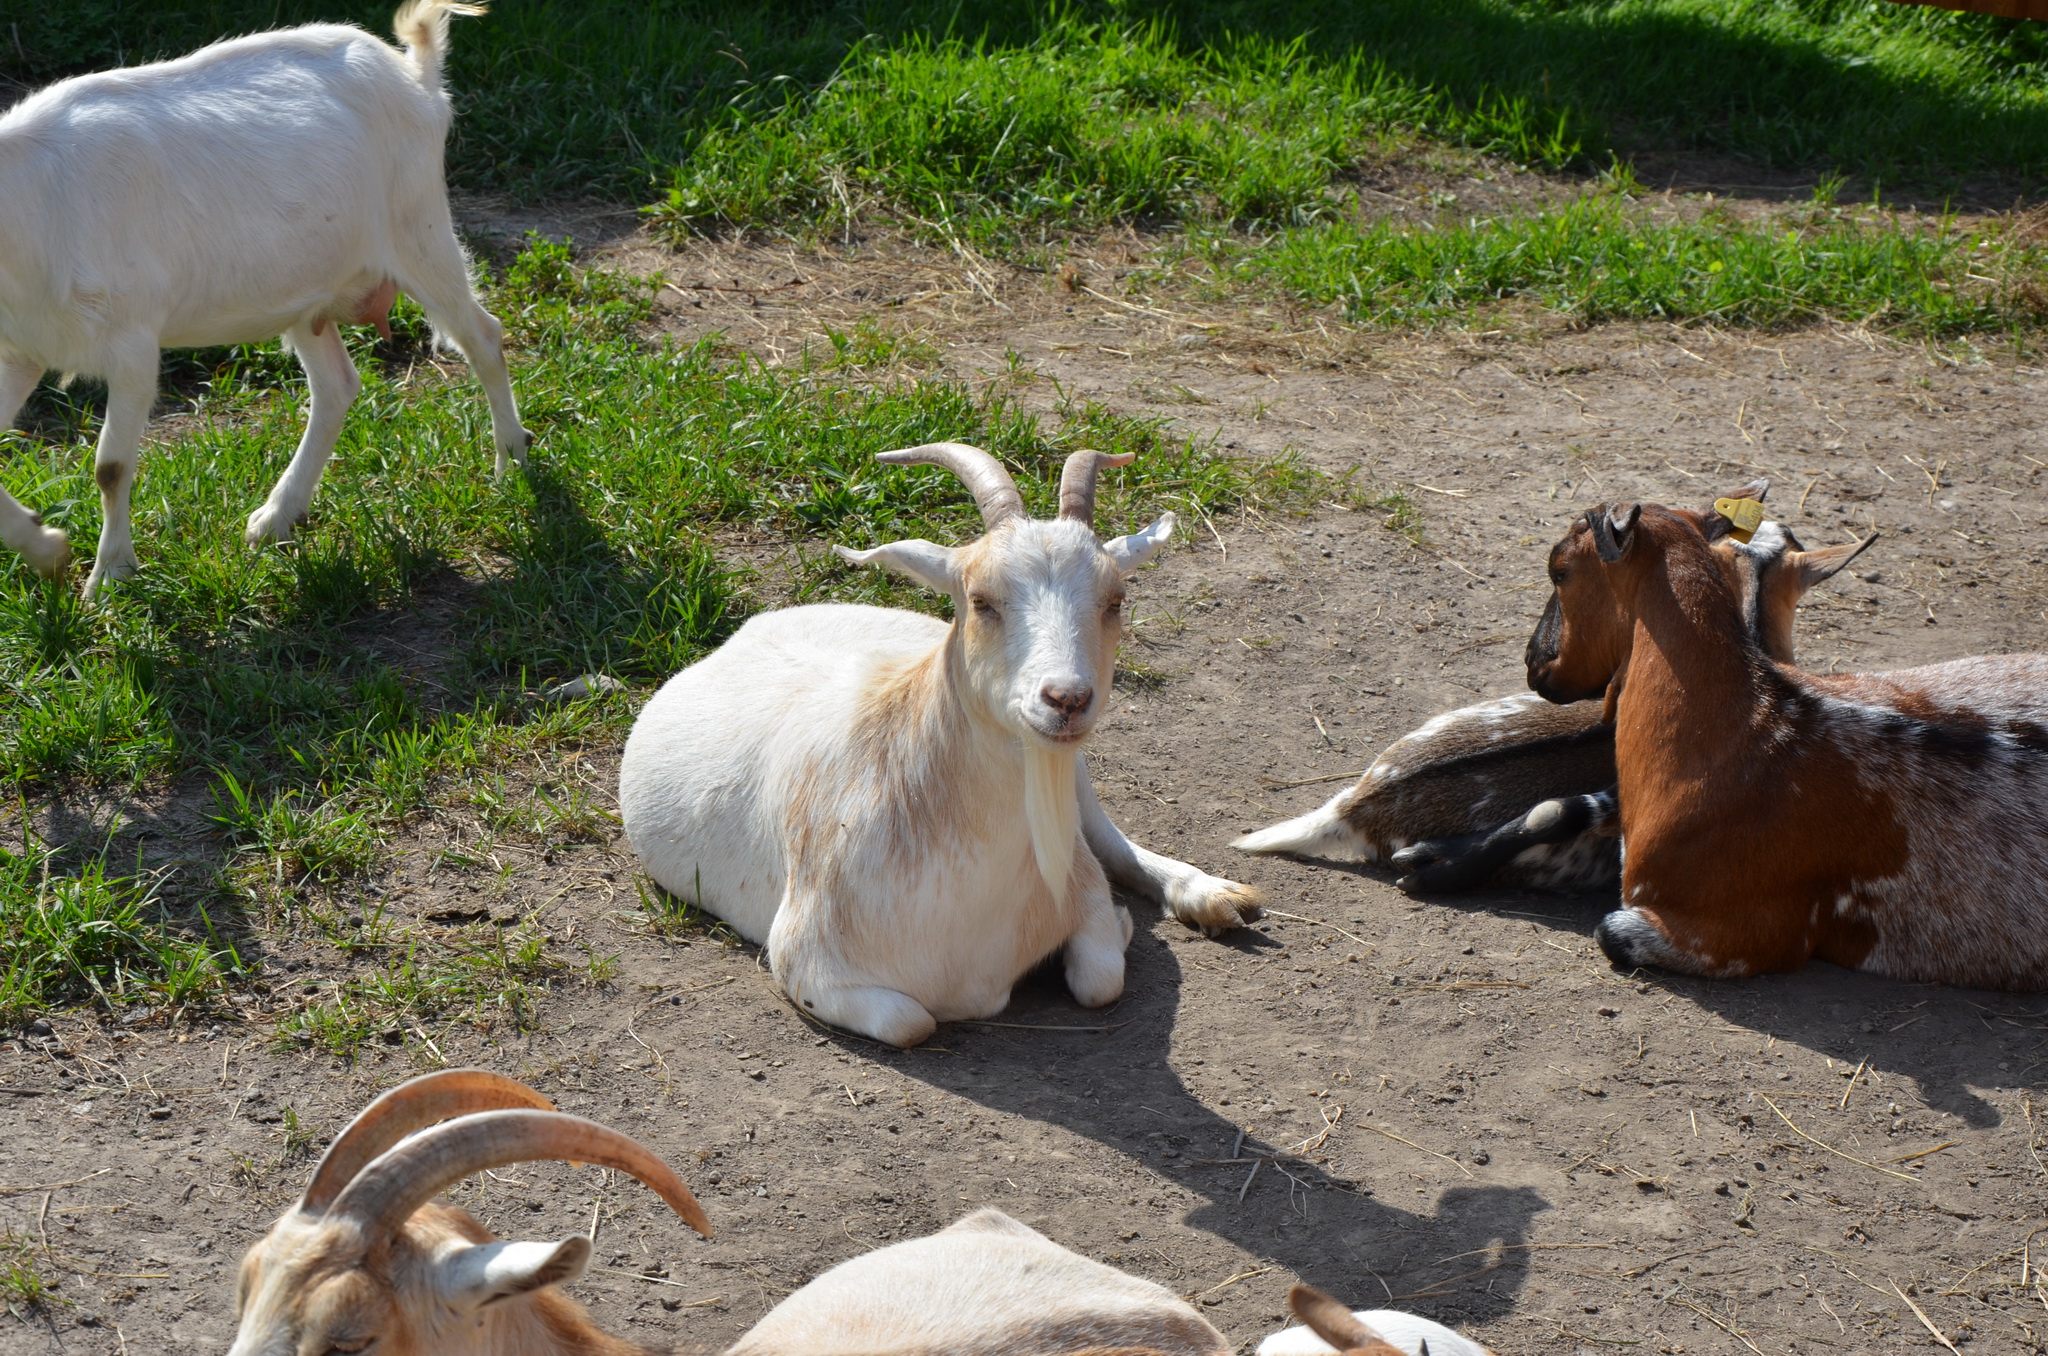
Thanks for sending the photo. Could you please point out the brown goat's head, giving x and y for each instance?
(367, 1263)
(1584, 634)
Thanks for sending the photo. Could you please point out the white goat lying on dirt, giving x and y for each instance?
(890, 804)
(368, 1260)
(274, 184)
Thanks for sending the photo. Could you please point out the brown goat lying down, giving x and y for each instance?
(1514, 792)
(1893, 822)
(368, 1258)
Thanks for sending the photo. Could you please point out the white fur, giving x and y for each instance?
(1322, 832)
(890, 805)
(985, 1285)
(1405, 1331)
(269, 185)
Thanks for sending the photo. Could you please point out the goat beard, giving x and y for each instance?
(1053, 812)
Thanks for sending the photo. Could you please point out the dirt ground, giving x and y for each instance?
(1482, 1121)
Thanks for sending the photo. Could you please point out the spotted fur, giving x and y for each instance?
(1449, 804)
(1893, 822)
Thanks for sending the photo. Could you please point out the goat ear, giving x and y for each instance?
(474, 1277)
(1826, 562)
(1329, 1319)
(1133, 551)
(1755, 489)
(929, 563)
(1614, 530)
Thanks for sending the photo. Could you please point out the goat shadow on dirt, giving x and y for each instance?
(1949, 1043)
(1120, 1089)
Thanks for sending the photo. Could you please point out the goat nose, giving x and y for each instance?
(1067, 699)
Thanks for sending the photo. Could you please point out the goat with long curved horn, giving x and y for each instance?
(370, 1257)
(995, 493)
(401, 1180)
(412, 1105)
(1077, 482)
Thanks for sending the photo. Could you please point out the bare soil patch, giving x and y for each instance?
(1456, 1107)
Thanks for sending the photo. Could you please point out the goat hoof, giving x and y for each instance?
(50, 556)
(271, 524)
(1218, 910)
(1631, 941)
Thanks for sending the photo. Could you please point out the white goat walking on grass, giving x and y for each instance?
(897, 808)
(275, 184)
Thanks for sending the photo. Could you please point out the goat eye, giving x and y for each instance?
(983, 607)
(1114, 606)
(349, 1347)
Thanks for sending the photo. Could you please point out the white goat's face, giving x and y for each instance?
(1039, 608)
(314, 1287)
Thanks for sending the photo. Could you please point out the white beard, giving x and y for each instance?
(1053, 812)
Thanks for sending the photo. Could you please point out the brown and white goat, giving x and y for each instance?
(1893, 822)
(1513, 792)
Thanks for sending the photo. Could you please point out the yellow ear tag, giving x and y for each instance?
(1746, 514)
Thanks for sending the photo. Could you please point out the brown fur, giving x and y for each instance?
(1890, 821)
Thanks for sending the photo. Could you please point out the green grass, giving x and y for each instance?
(1601, 259)
(1084, 124)
(604, 96)
(261, 680)
(77, 931)
(23, 1286)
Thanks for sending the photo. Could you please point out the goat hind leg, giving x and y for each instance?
(21, 529)
(131, 391)
(332, 380)
(1196, 898)
(870, 1010)
(439, 280)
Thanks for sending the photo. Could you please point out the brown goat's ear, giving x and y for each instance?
(1812, 567)
(1329, 1319)
(1614, 530)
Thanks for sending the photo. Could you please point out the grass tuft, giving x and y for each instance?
(1602, 259)
(73, 933)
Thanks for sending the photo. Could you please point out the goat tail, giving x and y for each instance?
(422, 25)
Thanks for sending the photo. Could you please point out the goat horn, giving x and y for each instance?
(402, 1179)
(1077, 482)
(412, 1105)
(994, 492)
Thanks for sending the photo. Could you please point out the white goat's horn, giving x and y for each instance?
(1077, 482)
(401, 1180)
(993, 490)
(412, 1105)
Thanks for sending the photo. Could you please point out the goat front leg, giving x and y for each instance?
(131, 391)
(1200, 900)
(46, 550)
(1094, 956)
(334, 384)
